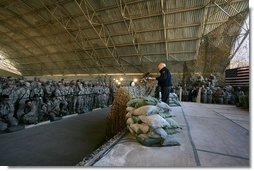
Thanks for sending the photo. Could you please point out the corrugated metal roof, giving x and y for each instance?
(53, 33)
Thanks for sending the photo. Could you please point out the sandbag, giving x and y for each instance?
(146, 110)
(172, 123)
(152, 134)
(173, 100)
(136, 103)
(144, 128)
(129, 121)
(128, 115)
(129, 109)
(161, 132)
(171, 131)
(149, 100)
(136, 128)
(147, 141)
(170, 141)
(139, 102)
(136, 119)
(131, 131)
(163, 107)
(165, 114)
(154, 121)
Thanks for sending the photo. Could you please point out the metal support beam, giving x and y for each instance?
(13, 40)
(103, 57)
(229, 3)
(224, 11)
(42, 48)
(128, 22)
(235, 50)
(73, 36)
(103, 33)
(56, 37)
(164, 28)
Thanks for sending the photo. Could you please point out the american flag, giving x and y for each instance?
(237, 77)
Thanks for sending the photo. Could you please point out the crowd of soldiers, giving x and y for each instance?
(31, 102)
(210, 92)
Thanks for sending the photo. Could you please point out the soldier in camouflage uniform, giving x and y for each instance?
(75, 97)
(37, 90)
(23, 94)
(47, 91)
(6, 114)
(110, 100)
(239, 97)
(60, 95)
(81, 98)
(78, 99)
(107, 95)
(86, 98)
(203, 94)
(185, 94)
(90, 96)
(69, 96)
(52, 108)
(218, 96)
(30, 115)
(103, 95)
(10, 89)
(37, 95)
(96, 95)
(209, 95)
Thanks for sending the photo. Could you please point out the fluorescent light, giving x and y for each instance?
(82, 74)
(57, 75)
(70, 75)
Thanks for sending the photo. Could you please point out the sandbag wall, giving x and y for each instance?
(150, 122)
(116, 118)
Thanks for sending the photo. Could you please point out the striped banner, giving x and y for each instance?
(237, 77)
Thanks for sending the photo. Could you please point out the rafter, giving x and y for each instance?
(238, 44)
(74, 37)
(93, 19)
(130, 27)
(164, 27)
(59, 33)
(42, 48)
(55, 43)
(18, 43)
(116, 21)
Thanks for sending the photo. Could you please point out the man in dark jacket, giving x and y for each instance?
(164, 82)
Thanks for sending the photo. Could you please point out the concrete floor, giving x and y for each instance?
(212, 136)
(60, 143)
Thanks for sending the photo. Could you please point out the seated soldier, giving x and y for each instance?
(30, 116)
(53, 109)
(6, 114)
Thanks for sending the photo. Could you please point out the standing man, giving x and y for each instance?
(164, 82)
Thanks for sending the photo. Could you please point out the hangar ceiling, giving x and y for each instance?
(48, 37)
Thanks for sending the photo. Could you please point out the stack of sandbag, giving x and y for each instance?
(173, 100)
(150, 122)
